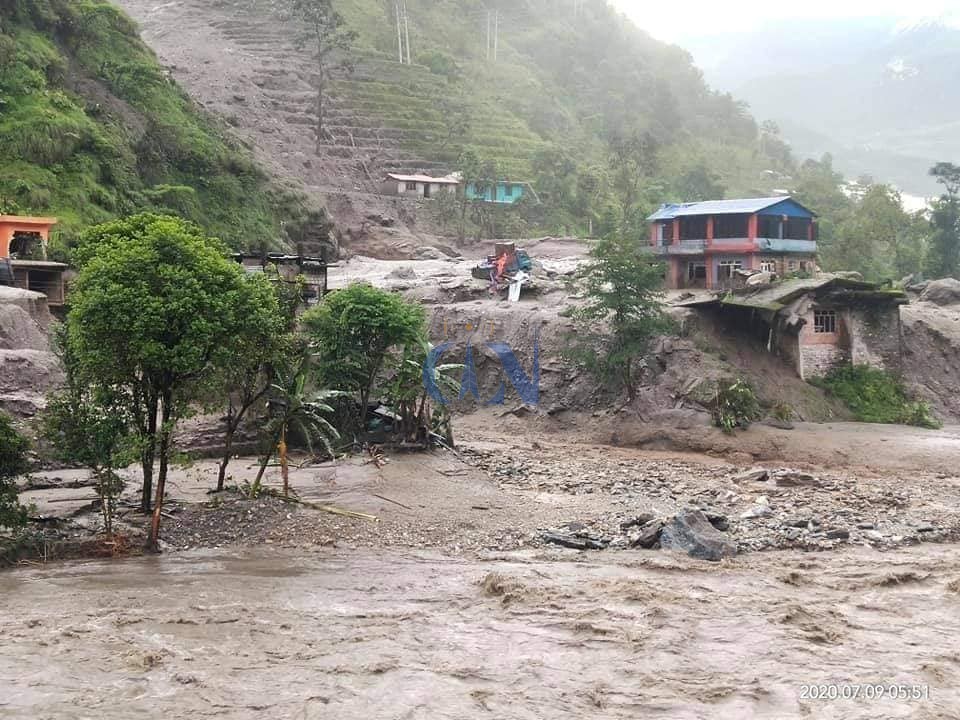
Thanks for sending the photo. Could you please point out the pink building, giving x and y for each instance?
(704, 243)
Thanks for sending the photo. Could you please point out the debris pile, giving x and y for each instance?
(756, 509)
(508, 268)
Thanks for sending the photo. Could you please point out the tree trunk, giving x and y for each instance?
(227, 445)
(153, 542)
(264, 463)
(147, 452)
(320, 111)
(282, 453)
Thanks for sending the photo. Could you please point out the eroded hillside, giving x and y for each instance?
(91, 128)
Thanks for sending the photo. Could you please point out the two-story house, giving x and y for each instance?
(704, 243)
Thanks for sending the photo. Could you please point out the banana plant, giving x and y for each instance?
(293, 407)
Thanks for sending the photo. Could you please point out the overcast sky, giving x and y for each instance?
(677, 19)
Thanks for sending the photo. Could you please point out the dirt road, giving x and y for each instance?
(333, 634)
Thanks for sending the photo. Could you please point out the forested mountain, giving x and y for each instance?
(602, 120)
(598, 114)
(878, 94)
(91, 128)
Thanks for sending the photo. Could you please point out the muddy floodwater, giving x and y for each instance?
(356, 634)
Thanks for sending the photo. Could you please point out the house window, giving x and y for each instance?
(727, 268)
(804, 266)
(731, 226)
(769, 266)
(797, 229)
(768, 226)
(696, 271)
(693, 228)
(401, 187)
(824, 321)
(791, 266)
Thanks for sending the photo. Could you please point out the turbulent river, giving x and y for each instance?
(355, 634)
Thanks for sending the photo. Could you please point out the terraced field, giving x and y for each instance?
(244, 63)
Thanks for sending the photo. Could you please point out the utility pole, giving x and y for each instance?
(496, 33)
(488, 35)
(396, 7)
(406, 30)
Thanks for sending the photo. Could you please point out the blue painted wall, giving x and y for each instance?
(789, 208)
(503, 192)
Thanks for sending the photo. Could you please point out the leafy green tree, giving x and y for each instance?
(265, 343)
(13, 462)
(483, 175)
(943, 259)
(155, 310)
(623, 311)
(699, 183)
(819, 187)
(89, 424)
(872, 238)
(633, 160)
(354, 331)
(326, 29)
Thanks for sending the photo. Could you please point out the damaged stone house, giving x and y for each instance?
(816, 324)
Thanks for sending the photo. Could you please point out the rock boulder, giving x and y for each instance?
(942, 292)
(690, 531)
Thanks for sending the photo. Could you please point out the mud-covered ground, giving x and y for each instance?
(511, 480)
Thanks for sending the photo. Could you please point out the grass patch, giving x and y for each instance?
(81, 158)
(876, 396)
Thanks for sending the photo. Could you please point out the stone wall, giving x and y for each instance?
(27, 367)
(865, 336)
(819, 360)
(876, 337)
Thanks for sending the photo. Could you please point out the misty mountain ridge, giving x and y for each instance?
(878, 94)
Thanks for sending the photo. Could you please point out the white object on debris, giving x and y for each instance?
(516, 284)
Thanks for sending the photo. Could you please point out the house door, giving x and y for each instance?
(426, 189)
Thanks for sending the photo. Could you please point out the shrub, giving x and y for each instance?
(875, 396)
(736, 405)
(783, 411)
(13, 462)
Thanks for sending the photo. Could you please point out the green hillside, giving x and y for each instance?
(92, 128)
(567, 97)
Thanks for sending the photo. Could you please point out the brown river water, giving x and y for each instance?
(360, 634)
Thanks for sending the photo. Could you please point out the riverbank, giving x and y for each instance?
(515, 485)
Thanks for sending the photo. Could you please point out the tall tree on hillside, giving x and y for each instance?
(155, 311)
(943, 258)
(633, 160)
(869, 239)
(820, 187)
(622, 284)
(326, 30)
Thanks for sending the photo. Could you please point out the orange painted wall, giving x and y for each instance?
(12, 224)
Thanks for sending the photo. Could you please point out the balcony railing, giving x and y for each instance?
(685, 247)
(785, 245)
(777, 245)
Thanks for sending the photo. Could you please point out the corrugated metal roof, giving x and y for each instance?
(448, 180)
(670, 211)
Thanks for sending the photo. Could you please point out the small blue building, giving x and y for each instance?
(505, 192)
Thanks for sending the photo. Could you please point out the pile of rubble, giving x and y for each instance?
(713, 511)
